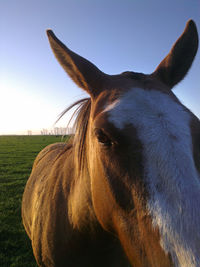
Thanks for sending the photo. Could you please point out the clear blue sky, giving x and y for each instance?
(116, 35)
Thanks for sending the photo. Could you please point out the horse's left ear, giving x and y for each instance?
(82, 72)
(176, 64)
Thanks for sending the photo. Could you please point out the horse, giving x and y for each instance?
(125, 190)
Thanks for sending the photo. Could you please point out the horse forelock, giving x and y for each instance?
(80, 126)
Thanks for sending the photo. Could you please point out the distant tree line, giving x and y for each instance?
(54, 131)
(57, 131)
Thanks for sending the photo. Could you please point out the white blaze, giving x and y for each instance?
(169, 171)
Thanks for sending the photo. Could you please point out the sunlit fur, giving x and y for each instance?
(125, 190)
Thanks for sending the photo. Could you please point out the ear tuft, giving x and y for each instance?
(176, 64)
(49, 32)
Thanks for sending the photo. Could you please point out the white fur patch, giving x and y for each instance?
(170, 174)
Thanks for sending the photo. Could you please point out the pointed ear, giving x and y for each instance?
(82, 72)
(176, 64)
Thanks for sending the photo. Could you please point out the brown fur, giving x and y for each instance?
(85, 202)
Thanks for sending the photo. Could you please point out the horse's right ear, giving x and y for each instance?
(82, 72)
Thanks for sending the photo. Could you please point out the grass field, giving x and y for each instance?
(17, 154)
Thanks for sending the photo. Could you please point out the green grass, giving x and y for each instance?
(17, 154)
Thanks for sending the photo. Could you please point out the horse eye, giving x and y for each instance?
(103, 138)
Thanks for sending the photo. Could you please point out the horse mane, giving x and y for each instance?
(78, 140)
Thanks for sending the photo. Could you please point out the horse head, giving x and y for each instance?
(141, 152)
